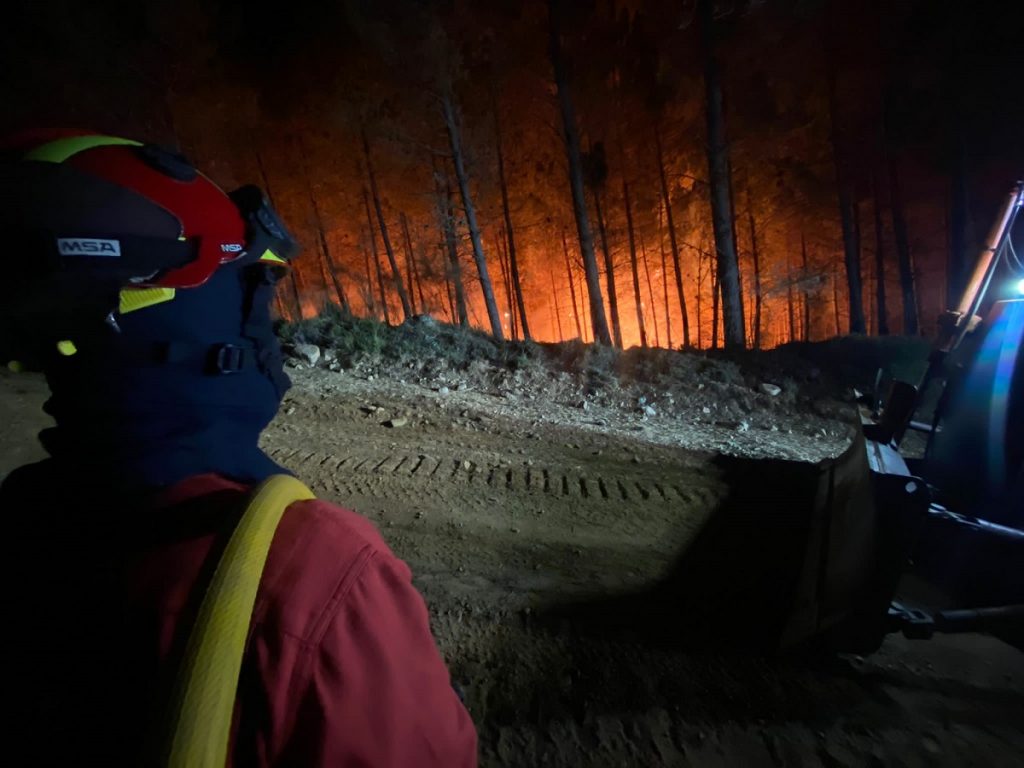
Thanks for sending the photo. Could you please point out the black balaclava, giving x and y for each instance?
(148, 406)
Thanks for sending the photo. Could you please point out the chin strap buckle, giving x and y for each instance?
(227, 359)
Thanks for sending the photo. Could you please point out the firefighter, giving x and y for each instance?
(142, 291)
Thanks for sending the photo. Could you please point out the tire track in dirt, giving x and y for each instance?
(655, 510)
(550, 480)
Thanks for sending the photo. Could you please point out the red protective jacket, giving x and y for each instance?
(341, 667)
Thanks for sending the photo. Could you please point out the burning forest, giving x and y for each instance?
(653, 173)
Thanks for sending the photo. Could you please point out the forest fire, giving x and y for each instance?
(437, 184)
(567, 383)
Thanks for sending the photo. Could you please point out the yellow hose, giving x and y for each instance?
(203, 707)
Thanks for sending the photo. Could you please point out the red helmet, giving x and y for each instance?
(97, 198)
(93, 219)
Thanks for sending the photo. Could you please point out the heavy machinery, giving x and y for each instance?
(939, 545)
(918, 527)
(968, 546)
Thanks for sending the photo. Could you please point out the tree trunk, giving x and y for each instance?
(558, 311)
(371, 304)
(396, 274)
(513, 310)
(700, 288)
(867, 275)
(327, 267)
(455, 144)
(755, 255)
(903, 258)
(506, 284)
(790, 300)
(633, 264)
(383, 292)
(424, 307)
(750, 313)
(806, 293)
(650, 291)
(758, 299)
(376, 260)
(880, 304)
(448, 289)
(510, 291)
(664, 284)
(851, 259)
(339, 288)
(847, 213)
(327, 286)
(297, 291)
(513, 258)
(672, 238)
(720, 184)
(609, 272)
(293, 276)
(572, 150)
(503, 267)
(450, 297)
(455, 268)
(446, 210)
(327, 271)
(835, 297)
(409, 261)
(572, 287)
(588, 334)
(716, 296)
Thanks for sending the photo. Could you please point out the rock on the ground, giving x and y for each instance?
(400, 421)
(773, 390)
(310, 353)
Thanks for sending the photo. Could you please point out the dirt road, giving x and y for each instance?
(505, 508)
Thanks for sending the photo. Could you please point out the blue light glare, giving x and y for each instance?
(1020, 287)
(998, 355)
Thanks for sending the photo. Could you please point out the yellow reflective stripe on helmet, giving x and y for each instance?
(66, 348)
(269, 255)
(133, 299)
(60, 150)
